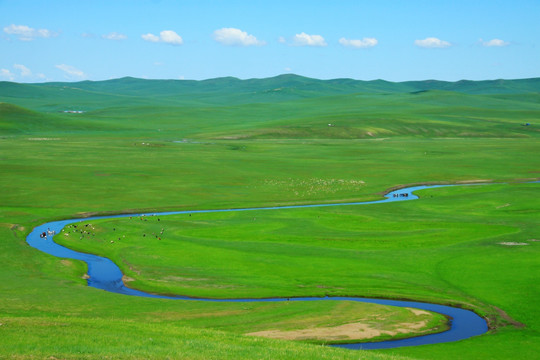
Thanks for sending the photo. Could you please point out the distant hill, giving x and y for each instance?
(481, 87)
(135, 86)
(15, 119)
(19, 120)
(230, 90)
(285, 106)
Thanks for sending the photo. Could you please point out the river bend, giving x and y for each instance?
(105, 275)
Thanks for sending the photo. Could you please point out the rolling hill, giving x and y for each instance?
(285, 106)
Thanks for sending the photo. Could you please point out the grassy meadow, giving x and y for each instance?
(228, 143)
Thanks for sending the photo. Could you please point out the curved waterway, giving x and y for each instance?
(105, 275)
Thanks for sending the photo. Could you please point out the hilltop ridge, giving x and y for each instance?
(136, 86)
(285, 106)
(230, 91)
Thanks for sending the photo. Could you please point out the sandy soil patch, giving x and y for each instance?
(474, 181)
(418, 312)
(353, 331)
(13, 227)
(127, 279)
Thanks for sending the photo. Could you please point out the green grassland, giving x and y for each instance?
(144, 145)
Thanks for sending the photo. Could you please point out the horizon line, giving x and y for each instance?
(265, 78)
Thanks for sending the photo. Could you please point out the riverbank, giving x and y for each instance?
(109, 277)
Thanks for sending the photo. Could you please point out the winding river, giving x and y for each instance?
(105, 275)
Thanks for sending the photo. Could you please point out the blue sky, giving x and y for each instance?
(61, 40)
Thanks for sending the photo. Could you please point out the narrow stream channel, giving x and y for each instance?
(105, 275)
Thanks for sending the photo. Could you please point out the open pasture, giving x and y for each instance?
(239, 144)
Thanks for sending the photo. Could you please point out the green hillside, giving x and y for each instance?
(287, 106)
(228, 91)
(134, 86)
(18, 120)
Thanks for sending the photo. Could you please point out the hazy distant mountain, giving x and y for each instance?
(282, 87)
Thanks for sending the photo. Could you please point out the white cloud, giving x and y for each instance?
(114, 36)
(26, 33)
(25, 72)
(282, 40)
(150, 37)
(166, 36)
(364, 43)
(236, 37)
(494, 43)
(170, 37)
(71, 71)
(432, 42)
(304, 39)
(6, 74)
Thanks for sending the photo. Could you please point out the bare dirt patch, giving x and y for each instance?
(350, 332)
(418, 312)
(513, 243)
(13, 227)
(507, 317)
(353, 331)
(474, 181)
